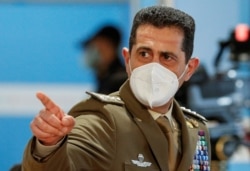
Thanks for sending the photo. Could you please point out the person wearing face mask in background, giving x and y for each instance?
(101, 53)
(139, 127)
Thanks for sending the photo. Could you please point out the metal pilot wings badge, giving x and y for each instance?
(140, 162)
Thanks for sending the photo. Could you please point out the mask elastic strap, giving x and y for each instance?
(183, 72)
(129, 64)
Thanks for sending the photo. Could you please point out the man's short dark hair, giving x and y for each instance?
(163, 16)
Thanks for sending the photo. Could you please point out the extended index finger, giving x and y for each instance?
(48, 103)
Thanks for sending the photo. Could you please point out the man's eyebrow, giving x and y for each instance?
(143, 48)
(168, 53)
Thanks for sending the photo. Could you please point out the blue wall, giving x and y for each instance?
(39, 42)
(15, 133)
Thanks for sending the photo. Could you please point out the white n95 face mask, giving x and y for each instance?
(154, 85)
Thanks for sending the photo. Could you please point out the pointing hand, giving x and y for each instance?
(51, 124)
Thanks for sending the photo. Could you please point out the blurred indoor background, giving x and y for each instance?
(39, 51)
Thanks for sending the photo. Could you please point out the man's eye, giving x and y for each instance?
(166, 56)
(144, 54)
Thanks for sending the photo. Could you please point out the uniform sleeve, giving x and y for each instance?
(89, 146)
(92, 142)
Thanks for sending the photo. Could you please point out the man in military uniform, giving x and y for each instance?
(140, 127)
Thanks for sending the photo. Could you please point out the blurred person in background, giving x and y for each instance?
(101, 53)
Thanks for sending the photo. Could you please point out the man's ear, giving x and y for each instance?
(193, 65)
(126, 57)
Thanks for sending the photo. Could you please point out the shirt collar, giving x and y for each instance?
(168, 114)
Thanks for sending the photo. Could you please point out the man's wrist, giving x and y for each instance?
(41, 151)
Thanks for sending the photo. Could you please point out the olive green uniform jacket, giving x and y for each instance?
(117, 133)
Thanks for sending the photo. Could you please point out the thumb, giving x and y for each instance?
(68, 121)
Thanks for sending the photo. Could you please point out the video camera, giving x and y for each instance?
(238, 43)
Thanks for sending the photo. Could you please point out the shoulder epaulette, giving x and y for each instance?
(194, 114)
(106, 98)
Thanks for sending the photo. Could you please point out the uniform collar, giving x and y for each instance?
(168, 114)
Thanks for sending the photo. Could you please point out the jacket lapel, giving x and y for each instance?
(189, 139)
(147, 125)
